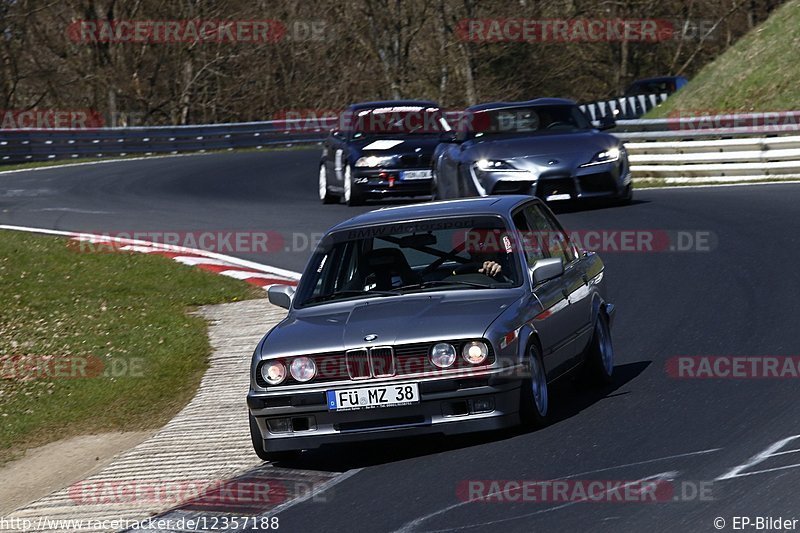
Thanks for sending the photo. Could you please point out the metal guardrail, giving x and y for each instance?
(714, 147)
(718, 160)
(47, 145)
(750, 146)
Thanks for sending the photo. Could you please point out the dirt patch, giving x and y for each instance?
(59, 464)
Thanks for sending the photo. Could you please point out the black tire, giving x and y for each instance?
(258, 446)
(627, 197)
(327, 197)
(434, 187)
(598, 364)
(534, 407)
(351, 195)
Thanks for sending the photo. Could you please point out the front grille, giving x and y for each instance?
(382, 360)
(414, 161)
(555, 186)
(357, 362)
(512, 187)
(600, 182)
(378, 362)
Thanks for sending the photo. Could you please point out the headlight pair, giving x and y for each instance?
(443, 354)
(302, 369)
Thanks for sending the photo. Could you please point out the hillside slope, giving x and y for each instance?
(761, 72)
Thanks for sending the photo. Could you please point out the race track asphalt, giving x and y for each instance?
(735, 296)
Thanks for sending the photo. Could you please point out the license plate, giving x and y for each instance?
(558, 197)
(415, 175)
(372, 397)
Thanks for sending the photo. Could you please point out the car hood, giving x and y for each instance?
(395, 320)
(572, 145)
(392, 144)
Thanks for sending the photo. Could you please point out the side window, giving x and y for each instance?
(570, 251)
(531, 246)
(547, 235)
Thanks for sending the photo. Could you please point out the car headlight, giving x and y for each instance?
(606, 156)
(496, 165)
(372, 161)
(443, 355)
(475, 352)
(273, 372)
(303, 369)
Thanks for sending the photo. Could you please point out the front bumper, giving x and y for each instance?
(375, 183)
(447, 406)
(585, 183)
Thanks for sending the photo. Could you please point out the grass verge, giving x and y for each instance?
(94, 342)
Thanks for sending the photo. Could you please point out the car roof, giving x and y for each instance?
(391, 103)
(487, 205)
(526, 103)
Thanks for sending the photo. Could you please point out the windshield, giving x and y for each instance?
(399, 258)
(398, 120)
(523, 120)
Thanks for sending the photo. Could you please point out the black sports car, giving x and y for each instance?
(544, 147)
(381, 149)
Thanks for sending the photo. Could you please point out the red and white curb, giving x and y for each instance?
(225, 265)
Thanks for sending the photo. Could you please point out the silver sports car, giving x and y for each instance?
(448, 318)
(544, 147)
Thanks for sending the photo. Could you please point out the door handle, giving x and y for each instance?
(585, 279)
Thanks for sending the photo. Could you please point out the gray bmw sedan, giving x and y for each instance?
(448, 317)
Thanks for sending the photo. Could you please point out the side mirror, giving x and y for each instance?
(336, 134)
(546, 269)
(281, 295)
(606, 123)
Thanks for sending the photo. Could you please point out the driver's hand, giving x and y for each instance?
(490, 268)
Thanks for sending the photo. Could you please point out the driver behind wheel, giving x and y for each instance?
(488, 252)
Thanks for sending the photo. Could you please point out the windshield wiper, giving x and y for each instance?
(349, 292)
(437, 283)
